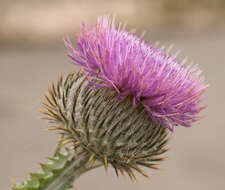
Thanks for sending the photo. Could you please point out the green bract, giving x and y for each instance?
(112, 131)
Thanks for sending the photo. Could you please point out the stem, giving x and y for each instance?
(60, 173)
(76, 167)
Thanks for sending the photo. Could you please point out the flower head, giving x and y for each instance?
(114, 58)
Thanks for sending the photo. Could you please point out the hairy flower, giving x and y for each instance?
(114, 58)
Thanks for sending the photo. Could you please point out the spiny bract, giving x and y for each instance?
(112, 132)
(119, 60)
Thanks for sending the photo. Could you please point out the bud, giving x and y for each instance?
(111, 131)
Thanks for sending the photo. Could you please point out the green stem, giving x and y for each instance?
(74, 170)
(59, 174)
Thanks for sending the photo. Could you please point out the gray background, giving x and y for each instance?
(32, 55)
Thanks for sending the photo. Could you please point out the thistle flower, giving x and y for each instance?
(139, 91)
(116, 59)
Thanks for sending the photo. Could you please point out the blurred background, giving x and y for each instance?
(32, 55)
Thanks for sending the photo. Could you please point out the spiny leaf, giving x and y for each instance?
(40, 180)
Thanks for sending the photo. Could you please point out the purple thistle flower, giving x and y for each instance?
(119, 60)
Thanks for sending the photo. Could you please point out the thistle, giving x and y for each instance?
(119, 109)
(118, 60)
